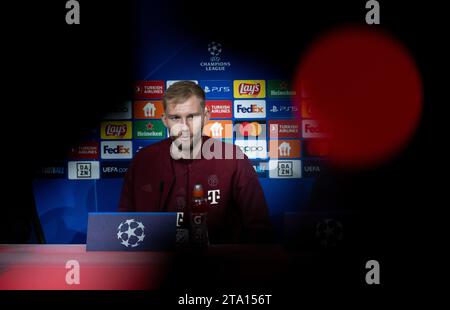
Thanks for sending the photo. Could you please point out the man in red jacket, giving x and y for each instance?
(162, 176)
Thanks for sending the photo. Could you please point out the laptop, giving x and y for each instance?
(131, 231)
(316, 231)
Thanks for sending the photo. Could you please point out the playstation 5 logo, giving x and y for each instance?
(217, 89)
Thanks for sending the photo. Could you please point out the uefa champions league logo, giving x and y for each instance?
(215, 48)
(215, 63)
(329, 232)
(131, 233)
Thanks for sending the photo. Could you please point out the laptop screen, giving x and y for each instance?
(152, 231)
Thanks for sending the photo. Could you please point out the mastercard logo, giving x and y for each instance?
(247, 129)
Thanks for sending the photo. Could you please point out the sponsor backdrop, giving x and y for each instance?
(251, 106)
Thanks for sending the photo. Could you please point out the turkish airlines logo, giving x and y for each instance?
(284, 129)
(86, 150)
(149, 89)
(219, 108)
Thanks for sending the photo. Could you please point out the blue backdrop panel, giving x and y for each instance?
(63, 206)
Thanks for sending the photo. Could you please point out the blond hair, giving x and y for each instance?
(181, 91)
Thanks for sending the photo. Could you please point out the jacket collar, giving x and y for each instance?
(167, 172)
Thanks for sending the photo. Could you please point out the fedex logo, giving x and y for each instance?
(116, 150)
(313, 129)
(249, 108)
(249, 89)
(120, 149)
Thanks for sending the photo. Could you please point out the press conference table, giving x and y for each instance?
(43, 267)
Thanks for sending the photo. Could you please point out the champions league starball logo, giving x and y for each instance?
(215, 63)
(131, 233)
(215, 48)
(329, 232)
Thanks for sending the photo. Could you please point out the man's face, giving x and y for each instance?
(186, 119)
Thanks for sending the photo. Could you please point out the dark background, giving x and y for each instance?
(58, 75)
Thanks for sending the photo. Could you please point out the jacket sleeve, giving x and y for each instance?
(251, 203)
(126, 202)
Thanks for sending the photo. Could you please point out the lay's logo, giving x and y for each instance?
(249, 89)
(116, 130)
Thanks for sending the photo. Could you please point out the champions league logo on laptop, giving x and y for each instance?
(131, 233)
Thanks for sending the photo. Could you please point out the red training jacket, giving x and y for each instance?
(237, 209)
